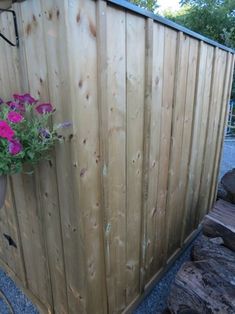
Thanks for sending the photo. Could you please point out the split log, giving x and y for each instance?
(220, 222)
(222, 193)
(205, 249)
(228, 182)
(203, 287)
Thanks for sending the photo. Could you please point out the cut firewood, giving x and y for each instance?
(205, 249)
(220, 222)
(228, 182)
(205, 287)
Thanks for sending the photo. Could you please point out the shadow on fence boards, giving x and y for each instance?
(96, 226)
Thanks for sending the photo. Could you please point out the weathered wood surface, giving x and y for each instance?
(206, 248)
(220, 222)
(205, 285)
(131, 181)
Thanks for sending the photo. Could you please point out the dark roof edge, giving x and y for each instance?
(131, 7)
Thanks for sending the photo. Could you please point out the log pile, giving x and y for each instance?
(207, 283)
(220, 222)
(226, 190)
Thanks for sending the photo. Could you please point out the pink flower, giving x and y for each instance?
(26, 98)
(44, 108)
(14, 117)
(14, 147)
(6, 131)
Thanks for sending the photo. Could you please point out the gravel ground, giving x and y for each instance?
(19, 302)
(155, 302)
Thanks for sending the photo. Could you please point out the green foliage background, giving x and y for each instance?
(214, 19)
(150, 5)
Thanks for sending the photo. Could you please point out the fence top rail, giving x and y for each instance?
(131, 7)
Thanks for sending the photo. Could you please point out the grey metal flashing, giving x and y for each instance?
(133, 8)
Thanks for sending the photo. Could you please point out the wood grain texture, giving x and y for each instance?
(193, 173)
(144, 241)
(210, 146)
(155, 147)
(203, 287)
(220, 222)
(135, 118)
(86, 156)
(137, 170)
(173, 206)
(188, 127)
(206, 248)
(116, 168)
(219, 145)
(27, 196)
(170, 52)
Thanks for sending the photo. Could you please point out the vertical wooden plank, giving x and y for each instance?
(154, 149)
(227, 85)
(166, 118)
(198, 106)
(54, 19)
(201, 135)
(116, 169)
(11, 55)
(37, 285)
(31, 234)
(173, 197)
(187, 131)
(10, 221)
(205, 98)
(5, 59)
(211, 137)
(6, 251)
(22, 66)
(86, 157)
(102, 86)
(146, 149)
(135, 54)
(44, 178)
(29, 205)
(72, 274)
(2, 78)
(12, 224)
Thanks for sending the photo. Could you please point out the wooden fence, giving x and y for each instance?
(100, 222)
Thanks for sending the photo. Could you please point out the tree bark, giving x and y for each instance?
(220, 222)
(203, 286)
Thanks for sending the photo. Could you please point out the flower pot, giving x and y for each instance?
(3, 189)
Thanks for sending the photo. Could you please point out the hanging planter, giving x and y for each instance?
(3, 189)
(26, 135)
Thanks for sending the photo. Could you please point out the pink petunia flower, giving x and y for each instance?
(44, 108)
(14, 147)
(25, 98)
(14, 117)
(6, 131)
